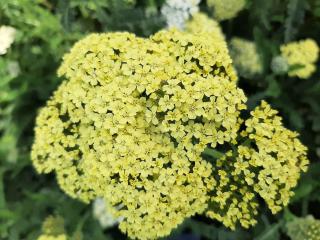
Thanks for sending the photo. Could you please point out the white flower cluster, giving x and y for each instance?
(177, 12)
(7, 35)
(101, 213)
(13, 69)
(279, 65)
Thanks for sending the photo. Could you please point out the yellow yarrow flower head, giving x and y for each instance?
(226, 9)
(306, 228)
(301, 57)
(53, 225)
(53, 229)
(245, 57)
(279, 153)
(267, 164)
(130, 121)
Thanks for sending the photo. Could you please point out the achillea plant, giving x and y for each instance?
(306, 228)
(301, 57)
(136, 120)
(226, 9)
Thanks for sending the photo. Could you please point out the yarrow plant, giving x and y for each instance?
(245, 57)
(301, 57)
(136, 122)
(226, 9)
(177, 12)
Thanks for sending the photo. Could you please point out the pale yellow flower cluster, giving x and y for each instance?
(301, 57)
(132, 119)
(201, 23)
(267, 164)
(226, 9)
(53, 229)
(245, 57)
(306, 228)
(279, 155)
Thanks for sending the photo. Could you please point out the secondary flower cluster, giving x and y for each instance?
(132, 119)
(226, 9)
(306, 228)
(201, 23)
(267, 163)
(245, 57)
(301, 57)
(53, 229)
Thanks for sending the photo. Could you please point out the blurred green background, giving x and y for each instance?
(46, 29)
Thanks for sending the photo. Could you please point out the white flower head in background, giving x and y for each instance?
(279, 65)
(101, 213)
(13, 69)
(7, 35)
(177, 12)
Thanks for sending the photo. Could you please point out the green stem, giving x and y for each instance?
(247, 142)
(305, 206)
(213, 153)
(82, 221)
(2, 194)
(288, 215)
(270, 231)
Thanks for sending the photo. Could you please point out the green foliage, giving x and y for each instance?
(46, 29)
(295, 16)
